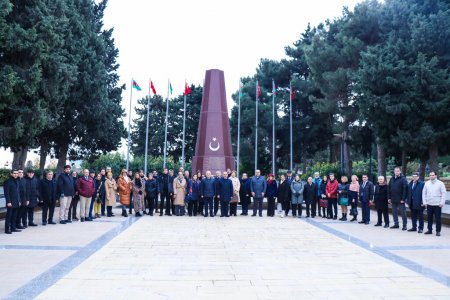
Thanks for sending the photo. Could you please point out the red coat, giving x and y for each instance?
(332, 189)
(86, 188)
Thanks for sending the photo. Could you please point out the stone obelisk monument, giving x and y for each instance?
(213, 150)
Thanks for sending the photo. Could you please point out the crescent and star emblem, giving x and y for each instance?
(214, 149)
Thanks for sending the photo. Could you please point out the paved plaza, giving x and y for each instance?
(223, 258)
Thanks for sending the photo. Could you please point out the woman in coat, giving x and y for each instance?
(323, 191)
(138, 194)
(124, 186)
(343, 197)
(110, 194)
(283, 195)
(297, 187)
(244, 194)
(332, 195)
(235, 199)
(381, 201)
(353, 195)
(179, 193)
(193, 196)
(271, 194)
(99, 195)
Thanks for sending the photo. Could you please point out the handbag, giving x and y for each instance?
(323, 203)
(353, 211)
(343, 201)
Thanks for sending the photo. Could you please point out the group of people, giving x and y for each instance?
(204, 194)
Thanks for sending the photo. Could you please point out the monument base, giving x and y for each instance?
(213, 163)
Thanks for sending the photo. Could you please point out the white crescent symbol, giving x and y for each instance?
(215, 148)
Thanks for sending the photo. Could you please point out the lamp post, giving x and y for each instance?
(341, 136)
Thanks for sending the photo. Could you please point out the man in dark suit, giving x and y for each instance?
(310, 196)
(48, 191)
(21, 218)
(365, 195)
(397, 193)
(415, 188)
(12, 197)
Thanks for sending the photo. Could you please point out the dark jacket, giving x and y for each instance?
(226, 190)
(86, 188)
(258, 185)
(318, 184)
(171, 179)
(12, 193)
(323, 188)
(366, 191)
(310, 193)
(244, 192)
(272, 189)
(380, 197)
(216, 186)
(343, 191)
(65, 185)
(208, 187)
(194, 191)
(151, 188)
(75, 183)
(163, 183)
(415, 195)
(32, 189)
(100, 189)
(48, 191)
(284, 192)
(23, 191)
(398, 189)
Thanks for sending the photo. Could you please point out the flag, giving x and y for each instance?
(292, 94)
(259, 91)
(187, 89)
(170, 88)
(241, 89)
(136, 86)
(274, 88)
(152, 87)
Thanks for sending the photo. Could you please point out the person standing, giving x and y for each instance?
(318, 182)
(297, 188)
(433, 198)
(164, 192)
(124, 187)
(99, 196)
(72, 215)
(244, 194)
(272, 193)
(110, 194)
(138, 189)
(66, 192)
(86, 190)
(12, 197)
(103, 173)
(323, 201)
(151, 193)
(216, 196)
(130, 206)
(94, 195)
(179, 192)
(353, 195)
(48, 191)
(235, 199)
(21, 218)
(207, 193)
(310, 194)
(380, 198)
(225, 194)
(283, 195)
(32, 187)
(193, 196)
(332, 195)
(200, 200)
(398, 192)
(414, 200)
(343, 197)
(366, 196)
(171, 191)
(258, 188)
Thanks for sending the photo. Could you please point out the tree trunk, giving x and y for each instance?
(43, 156)
(423, 166)
(20, 158)
(332, 151)
(347, 161)
(62, 158)
(404, 162)
(433, 153)
(381, 156)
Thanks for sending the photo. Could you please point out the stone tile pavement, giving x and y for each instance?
(223, 258)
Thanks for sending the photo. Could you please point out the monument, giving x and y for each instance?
(213, 150)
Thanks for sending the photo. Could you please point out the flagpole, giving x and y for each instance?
(129, 126)
(273, 127)
(184, 127)
(256, 128)
(238, 129)
(146, 129)
(290, 123)
(166, 123)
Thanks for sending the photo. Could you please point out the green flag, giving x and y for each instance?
(170, 87)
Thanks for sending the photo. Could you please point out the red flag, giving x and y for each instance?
(187, 89)
(152, 87)
(259, 91)
(292, 94)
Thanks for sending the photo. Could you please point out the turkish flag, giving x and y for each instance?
(187, 90)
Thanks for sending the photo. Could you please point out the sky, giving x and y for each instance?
(179, 40)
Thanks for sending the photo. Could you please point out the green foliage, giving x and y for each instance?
(4, 175)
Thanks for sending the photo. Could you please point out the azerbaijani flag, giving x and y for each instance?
(170, 88)
(136, 86)
(274, 88)
(241, 89)
(259, 91)
(187, 89)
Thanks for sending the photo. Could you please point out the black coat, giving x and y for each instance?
(381, 196)
(415, 195)
(244, 191)
(225, 189)
(100, 189)
(48, 191)
(216, 186)
(366, 193)
(284, 192)
(151, 188)
(398, 189)
(32, 189)
(208, 187)
(163, 184)
(23, 191)
(310, 193)
(12, 192)
(65, 185)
